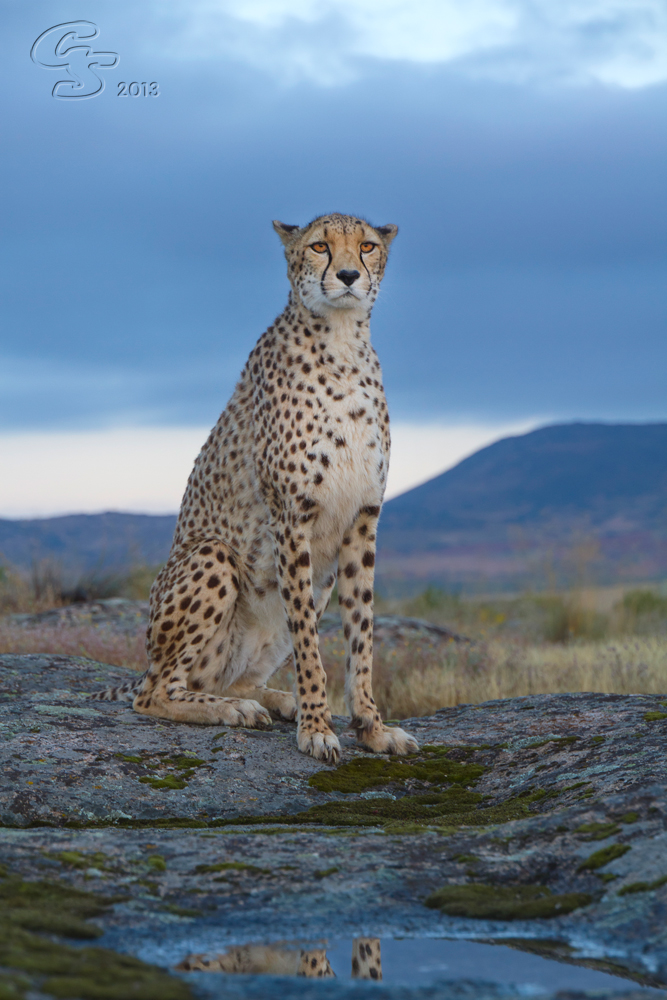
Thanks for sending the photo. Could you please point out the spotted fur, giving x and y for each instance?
(284, 497)
(366, 959)
(259, 959)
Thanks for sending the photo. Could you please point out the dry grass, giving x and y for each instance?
(103, 645)
(46, 586)
(414, 681)
(23, 593)
(584, 613)
(532, 644)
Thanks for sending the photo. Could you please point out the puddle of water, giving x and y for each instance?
(426, 960)
(410, 962)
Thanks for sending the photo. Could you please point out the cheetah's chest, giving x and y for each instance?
(358, 465)
(353, 465)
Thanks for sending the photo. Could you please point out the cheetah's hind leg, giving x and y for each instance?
(246, 959)
(192, 601)
(281, 704)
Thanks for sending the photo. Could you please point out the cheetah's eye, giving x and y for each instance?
(319, 247)
(367, 247)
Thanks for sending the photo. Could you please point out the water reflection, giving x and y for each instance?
(533, 966)
(277, 960)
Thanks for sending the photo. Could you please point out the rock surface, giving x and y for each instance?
(219, 836)
(118, 614)
(392, 630)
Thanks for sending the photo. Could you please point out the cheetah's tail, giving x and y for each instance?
(125, 692)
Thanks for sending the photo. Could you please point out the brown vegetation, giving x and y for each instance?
(581, 640)
(45, 587)
(99, 644)
(413, 681)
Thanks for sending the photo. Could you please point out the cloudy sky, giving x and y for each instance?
(520, 146)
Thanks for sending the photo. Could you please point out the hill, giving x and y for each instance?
(568, 500)
(85, 543)
(560, 495)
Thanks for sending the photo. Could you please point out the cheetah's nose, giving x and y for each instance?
(347, 277)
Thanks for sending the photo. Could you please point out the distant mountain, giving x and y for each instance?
(596, 470)
(538, 496)
(586, 499)
(85, 543)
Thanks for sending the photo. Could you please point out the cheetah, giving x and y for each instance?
(257, 959)
(262, 960)
(283, 500)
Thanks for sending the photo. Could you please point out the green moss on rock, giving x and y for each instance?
(452, 808)
(642, 886)
(152, 887)
(169, 781)
(185, 761)
(13, 987)
(603, 857)
(183, 911)
(86, 973)
(158, 823)
(598, 831)
(432, 765)
(184, 764)
(492, 902)
(51, 907)
(30, 961)
(77, 859)
(406, 829)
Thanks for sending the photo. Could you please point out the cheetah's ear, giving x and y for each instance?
(387, 233)
(285, 232)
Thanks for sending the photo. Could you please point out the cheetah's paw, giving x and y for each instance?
(281, 704)
(247, 713)
(321, 746)
(387, 739)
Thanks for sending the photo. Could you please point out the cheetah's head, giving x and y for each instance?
(336, 262)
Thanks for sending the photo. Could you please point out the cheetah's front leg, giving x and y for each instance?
(314, 733)
(366, 958)
(356, 562)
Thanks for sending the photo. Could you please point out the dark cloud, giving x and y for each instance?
(139, 264)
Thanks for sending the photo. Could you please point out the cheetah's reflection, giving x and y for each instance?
(259, 959)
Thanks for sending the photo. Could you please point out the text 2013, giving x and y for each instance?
(138, 89)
